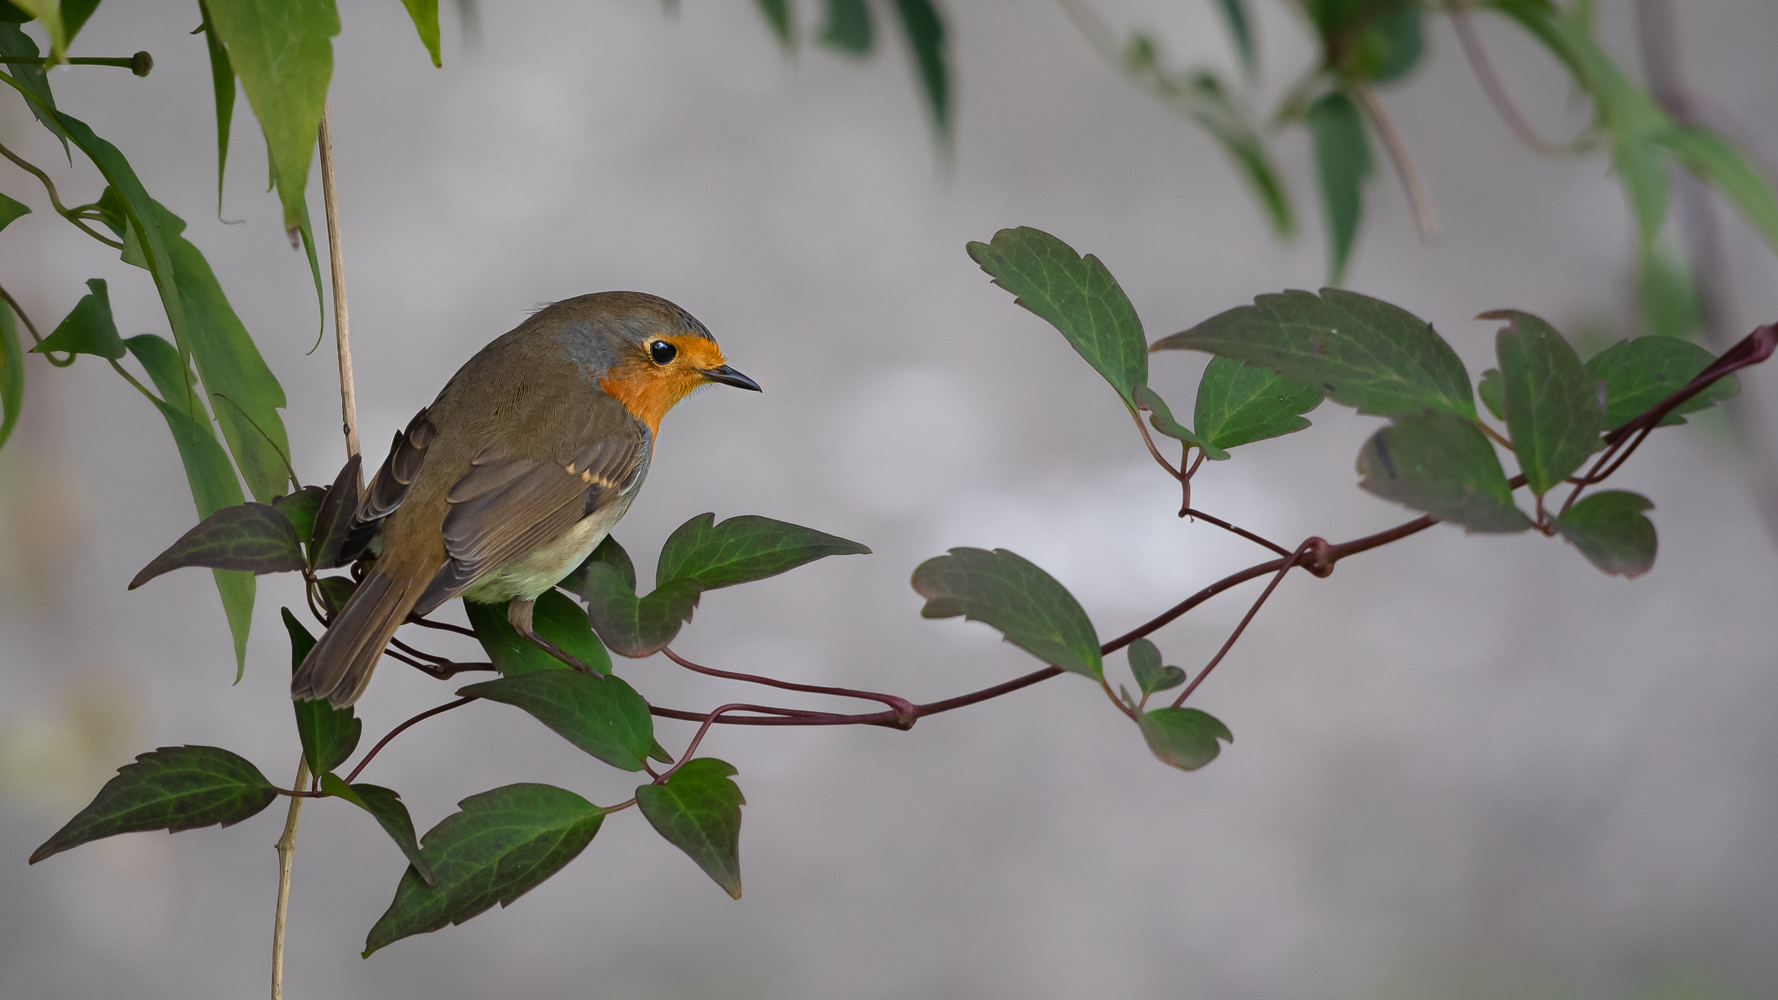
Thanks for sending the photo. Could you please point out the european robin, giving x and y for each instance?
(515, 473)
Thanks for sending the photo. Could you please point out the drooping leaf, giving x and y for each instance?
(334, 518)
(386, 807)
(1234, 17)
(172, 789)
(1342, 164)
(698, 810)
(1145, 665)
(299, 509)
(781, 17)
(222, 85)
(1443, 465)
(1358, 351)
(283, 52)
(88, 329)
(1077, 296)
(742, 549)
(1610, 529)
(632, 626)
(1639, 373)
(1183, 737)
(601, 715)
(924, 29)
(1238, 404)
(848, 27)
(1008, 592)
(1491, 395)
(556, 618)
(425, 17)
(29, 75)
(1553, 409)
(1161, 417)
(307, 232)
(12, 373)
(329, 735)
(1727, 168)
(252, 538)
(10, 211)
(502, 844)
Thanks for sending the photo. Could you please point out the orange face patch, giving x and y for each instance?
(649, 390)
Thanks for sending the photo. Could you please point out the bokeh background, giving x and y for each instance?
(1463, 767)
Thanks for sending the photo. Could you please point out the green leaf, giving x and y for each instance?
(1238, 404)
(299, 509)
(425, 17)
(1183, 737)
(1639, 373)
(1553, 409)
(632, 626)
(48, 13)
(925, 33)
(698, 810)
(335, 591)
(1443, 465)
(75, 13)
(1145, 665)
(12, 373)
(601, 715)
(329, 735)
(743, 549)
(1729, 170)
(1610, 529)
(1027, 605)
(11, 210)
(31, 78)
(386, 807)
(502, 844)
(1491, 394)
(283, 53)
(172, 789)
(252, 538)
(333, 519)
(88, 329)
(1358, 351)
(1392, 45)
(608, 552)
(556, 618)
(848, 27)
(781, 17)
(1077, 296)
(1162, 419)
(222, 84)
(1234, 17)
(1342, 163)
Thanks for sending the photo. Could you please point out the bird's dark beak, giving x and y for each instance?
(728, 376)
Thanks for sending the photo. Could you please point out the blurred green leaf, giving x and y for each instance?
(1610, 529)
(698, 810)
(222, 85)
(1145, 666)
(329, 735)
(12, 373)
(1726, 167)
(1359, 351)
(1238, 404)
(781, 16)
(924, 28)
(1162, 418)
(10, 211)
(1441, 464)
(599, 714)
(172, 789)
(299, 509)
(1028, 606)
(556, 618)
(1077, 296)
(502, 844)
(425, 17)
(848, 27)
(88, 329)
(31, 78)
(48, 14)
(743, 549)
(1490, 392)
(75, 13)
(1342, 163)
(1183, 737)
(1392, 45)
(1553, 408)
(252, 538)
(1639, 373)
(386, 807)
(1234, 17)
(1670, 306)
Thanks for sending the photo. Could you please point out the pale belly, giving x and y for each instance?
(543, 568)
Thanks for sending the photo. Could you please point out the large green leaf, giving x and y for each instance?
(1342, 164)
(743, 549)
(1610, 529)
(601, 715)
(1639, 373)
(49, 15)
(1552, 406)
(329, 735)
(283, 53)
(386, 807)
(1027, 605)
(1183, 737)
(848, 27)
(1077, 295)
(556, 618)
(1239, 404)
(12, 373)
(632, 626)
(698, 810)
(924, 29)
(252, 538)
(29, 75)
(172, 789)
(88, 328)
(1358, 351)
(1443, 465)
(424, 14)
(501, 845)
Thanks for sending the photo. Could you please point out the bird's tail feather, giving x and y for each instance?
(339, 666)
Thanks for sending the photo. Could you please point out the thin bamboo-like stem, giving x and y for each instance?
(286, 853)
(336, 261)
(1425, 219)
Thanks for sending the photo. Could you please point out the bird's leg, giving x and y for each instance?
(518, 613)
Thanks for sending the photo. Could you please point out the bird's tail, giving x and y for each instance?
(339, 666)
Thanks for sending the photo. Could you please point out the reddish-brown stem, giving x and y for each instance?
(398, 730)
(1243, 532)
(1148, 439)
(692, 747)
(441, 626)
(294, 794)
(1254, 610)
(896, 704)
(1496, 91)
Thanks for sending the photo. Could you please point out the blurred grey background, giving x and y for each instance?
(1463, 767)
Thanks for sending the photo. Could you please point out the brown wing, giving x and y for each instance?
(506, 506)
(390, 485)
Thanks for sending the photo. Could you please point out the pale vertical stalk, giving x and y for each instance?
(336, 260)
(286, 852)
(1425, 219)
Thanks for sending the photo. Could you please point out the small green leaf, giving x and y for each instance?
(848, 27)
(12, 373)
(333, 518)
(632, 626)
(1077, 296)
(1491, 394)
(556, 618)
(1639, 373)
(1235, 19)
(1238, 404)
(698, 810)
(335, 591)
(925, 33)
(1445, 466)
(30, 76)
(1553, 408)
(1358, 351)
(386, 807)
(782, 18)
(1027, 605)
(1610, 529)
(607, 552)
(252, 538)
(502, 844)
(1162, 418)
(425, 17)
(1342, 163)
(1145, 665)
(743, 549)
(329, 735)
(222, 85)
(1183, 737)
(299, 509)
(172, 789)
(11, 211)
(601, 715)
(88, 329)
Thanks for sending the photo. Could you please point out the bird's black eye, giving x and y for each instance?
(661, 351)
